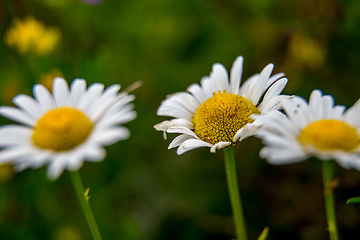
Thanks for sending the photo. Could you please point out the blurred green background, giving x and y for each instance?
(144, 191)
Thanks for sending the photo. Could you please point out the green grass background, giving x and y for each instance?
(142, 190)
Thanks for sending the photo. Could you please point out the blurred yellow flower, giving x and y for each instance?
(32, 36)
(46, 79)
(6, 172)
(306, 51)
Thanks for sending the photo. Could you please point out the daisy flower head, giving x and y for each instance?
(217, 112)
(64, 128)
(317, 128)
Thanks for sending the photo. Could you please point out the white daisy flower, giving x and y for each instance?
(317, 128)
(217, 113)
(66, 128)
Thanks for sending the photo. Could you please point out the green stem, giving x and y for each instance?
(84, 202)
(328, 167)
(234, 194)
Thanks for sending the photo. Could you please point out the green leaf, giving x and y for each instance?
(353, 200)
(264, 234)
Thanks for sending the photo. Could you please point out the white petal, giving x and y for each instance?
(191, 144)
(95, 153)
(247, 87)
(10, 154)
(119, 118)
(273, 104)
(235, 75)
(293, 114)
(28, 104)
(109, 99)
(219, 77)
(165, 125)
(315, 104)
(219, 145)
(327, 104)
(174, 110)
(302, 109)
(352, 115)
(337, 111)
(179, 140)
(274, 90)
(60, 90)
(197, 92)
(278, 156)
(261, 84)
(111, 135)
(91, 96)
(208, 87)
(17, 115)
(14, 135)
(279, 122)
(56, 167)
(183, 101)
(248, 130)
(44, 97)
(77, 91)
(274, 78)
(179, 129)
(75, 160)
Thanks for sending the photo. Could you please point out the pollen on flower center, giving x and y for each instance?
(330, 134)
(221, 116)
(61, 129)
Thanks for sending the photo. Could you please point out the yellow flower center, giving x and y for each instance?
(330, 134)
(61, 129)
(221, 116)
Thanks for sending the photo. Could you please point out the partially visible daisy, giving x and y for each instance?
(317, 128)
(217, 113)
(64, 128)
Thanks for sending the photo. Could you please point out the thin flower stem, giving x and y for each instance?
(328, 167)
(84, 202)
(234, 194)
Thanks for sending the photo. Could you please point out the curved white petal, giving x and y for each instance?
(273, 79)
(279, 156)
(61, 92)
(17, 115)
(208, 87)
(77, 91)
(45, 99)
(179, 140)
(261, 84)
(14, 135)
(219, 145)
(179, 129)
(91, 96)
(56, 167)
(274, 90)
(190, 145)
(95, 153)
(197, 93)
(235, 75)
(327, 105)
(220, 78)
(315, 104)
(28, 104)
(10, 154)
(112, 135)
